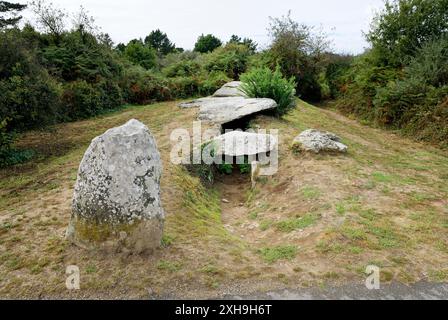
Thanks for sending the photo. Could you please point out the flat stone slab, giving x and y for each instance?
(224, 110)
(239, 143)
(319, 141)
(230, 89)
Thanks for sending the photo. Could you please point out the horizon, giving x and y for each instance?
(344, 22)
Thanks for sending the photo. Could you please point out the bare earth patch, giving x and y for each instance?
(321, 220)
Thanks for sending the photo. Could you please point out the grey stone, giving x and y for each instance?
(116, 202)
(231, 89)
(318, 141)
(239, 143)
(224, 110)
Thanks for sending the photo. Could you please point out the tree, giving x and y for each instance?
(298, 50)
(159, 41)
(252, 45)
(404, 26)
(8, 8)
(207, 43)
(139, 53)
(121, 47)
(50, 18)
(84, 22)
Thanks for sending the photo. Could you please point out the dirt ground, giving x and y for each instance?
(318, 222)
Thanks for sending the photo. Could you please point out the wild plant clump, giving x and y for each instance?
(265, 83)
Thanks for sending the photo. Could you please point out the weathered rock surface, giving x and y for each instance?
(231, 89)
(224, 110)
(116, 203)
(238, 143)
(318, 141)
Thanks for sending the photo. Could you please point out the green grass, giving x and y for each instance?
(171, 266)
(382, 177)
(310, 193)
(354, 234)
(253, 215)
(296, 223)
(341, 209)
(211, 269)
(91, 269)
(386, 237)
(265, 225)
(167, 240)
(274, 254)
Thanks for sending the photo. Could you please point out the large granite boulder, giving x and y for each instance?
(225, 110)
(318, 141)
(231, 89)
(116, 203)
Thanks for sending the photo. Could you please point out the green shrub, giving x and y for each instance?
(140, 54)
(231, 59)
(29, 101)
(298, 50)
(80, 100)
(333, 78)
(213, 81)
(264, 83)
(184, 87)
(404, 26)
(225, 168)
(110, 94)
(8, 154)
(183, 68)
(141, 87)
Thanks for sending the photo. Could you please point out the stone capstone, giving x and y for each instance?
(116, 202)
(225, 110)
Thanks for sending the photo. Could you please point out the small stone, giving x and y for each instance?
(318, 141)
(225, 201)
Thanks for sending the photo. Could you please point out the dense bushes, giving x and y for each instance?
(264, 83)
(298, 50)
(140, 54)
(332, 78)
(402, 82)
(232, 60)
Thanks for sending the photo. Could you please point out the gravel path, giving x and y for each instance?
(394, 291)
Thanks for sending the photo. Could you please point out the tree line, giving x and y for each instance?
(53, 71)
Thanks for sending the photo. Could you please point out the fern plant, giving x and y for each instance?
(265, 83)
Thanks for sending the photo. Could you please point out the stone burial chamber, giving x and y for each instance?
(229, 104)
(116, 202)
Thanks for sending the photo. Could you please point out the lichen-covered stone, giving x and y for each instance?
(318, 141)
(225, 110)
(239, 143)
(230, 89)
(116, 203)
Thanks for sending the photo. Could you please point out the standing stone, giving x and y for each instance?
(116, 203)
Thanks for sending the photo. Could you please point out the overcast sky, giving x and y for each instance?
(185, 20)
